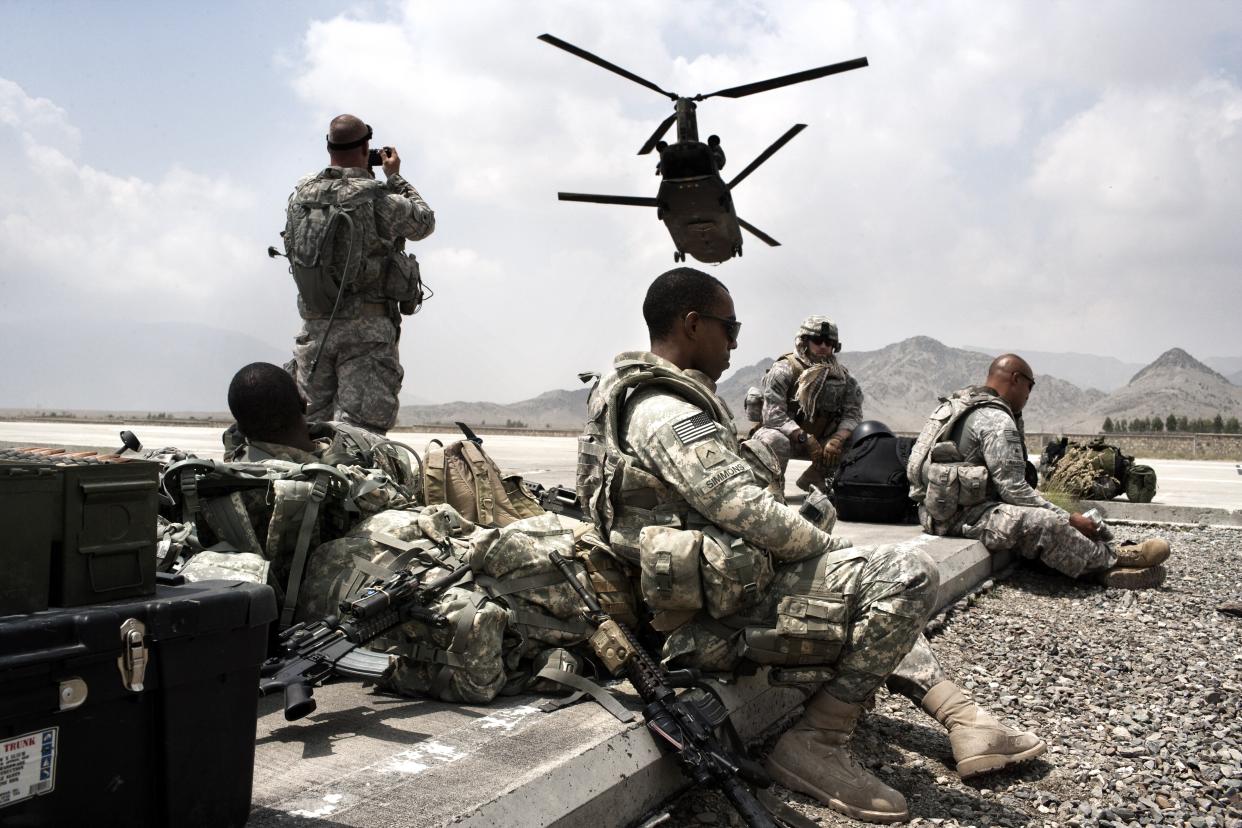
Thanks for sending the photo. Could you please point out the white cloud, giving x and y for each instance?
(1022, 175)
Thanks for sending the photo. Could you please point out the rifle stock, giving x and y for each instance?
(682, 725)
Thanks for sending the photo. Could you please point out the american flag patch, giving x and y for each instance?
(694, 428)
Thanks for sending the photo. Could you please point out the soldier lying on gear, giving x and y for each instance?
(811, 404)
(271, 424)
(732, 574)
(345, 238)
(968, 474)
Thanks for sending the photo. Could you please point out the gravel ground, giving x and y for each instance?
(1138, 694)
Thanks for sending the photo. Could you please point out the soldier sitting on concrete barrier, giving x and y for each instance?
(810, 403)
(968, 473)
(734, 575)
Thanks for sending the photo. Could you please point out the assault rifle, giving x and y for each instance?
(309, 653)
(684, 724)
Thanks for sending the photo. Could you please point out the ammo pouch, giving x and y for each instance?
(953, 485)
(735, 575)
(810, 629)
(689, 569)
(669, 559)
(402, 282)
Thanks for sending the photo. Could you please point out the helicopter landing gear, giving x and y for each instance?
(679, 256)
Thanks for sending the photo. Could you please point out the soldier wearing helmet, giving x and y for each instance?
(810, 403)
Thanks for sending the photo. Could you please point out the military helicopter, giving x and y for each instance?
(694, 202)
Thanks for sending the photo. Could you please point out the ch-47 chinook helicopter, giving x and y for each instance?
(694, 202)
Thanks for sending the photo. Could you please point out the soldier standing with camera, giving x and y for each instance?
(345, 235)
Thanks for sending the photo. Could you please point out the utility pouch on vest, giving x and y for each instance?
(810, 629)
(734, 573)
(669, 559)
(402, 282)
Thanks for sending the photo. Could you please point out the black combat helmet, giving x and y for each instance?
(868, 428)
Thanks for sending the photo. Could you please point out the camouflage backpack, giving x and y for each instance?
(511, 625)
(464, 476)
(1089, 471)
(331, 240)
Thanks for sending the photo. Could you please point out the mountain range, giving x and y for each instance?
(901, 383)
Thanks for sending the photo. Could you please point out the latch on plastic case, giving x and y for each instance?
(133, 658)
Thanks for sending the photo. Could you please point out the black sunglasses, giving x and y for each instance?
(820, 340)
(1031, 380)
(732, 326)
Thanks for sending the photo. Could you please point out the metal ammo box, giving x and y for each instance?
(75, 531)
(138, 712)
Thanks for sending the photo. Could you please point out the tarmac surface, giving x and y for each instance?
(548, 460)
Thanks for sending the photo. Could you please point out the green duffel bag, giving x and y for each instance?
(1140, 484)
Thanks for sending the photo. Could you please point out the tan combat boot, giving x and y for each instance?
(1150, 552)
(1132, 577)
(811, 758)
(980, 743)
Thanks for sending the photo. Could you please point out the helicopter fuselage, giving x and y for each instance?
(695, 204)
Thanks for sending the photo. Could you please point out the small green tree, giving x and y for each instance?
(1157, 424)
(1218, 423)
(1170, 423)
(1108, 425)
(1232, 426)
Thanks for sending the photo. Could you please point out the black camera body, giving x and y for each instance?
(375, 158)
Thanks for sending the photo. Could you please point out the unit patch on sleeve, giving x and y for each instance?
(694, 428)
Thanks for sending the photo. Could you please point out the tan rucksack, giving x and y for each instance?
(462, 475)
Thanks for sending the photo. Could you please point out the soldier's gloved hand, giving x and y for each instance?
(831, 452)
(814, 451)
(391, 160)
(1083, 524)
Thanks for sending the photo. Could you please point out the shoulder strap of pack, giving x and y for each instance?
(433, 473)
(634, 374)
(485, 481)
(796, 362)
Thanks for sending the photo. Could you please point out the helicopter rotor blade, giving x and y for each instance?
(767, 153)
(632, 201)
(757, 233)
(658, 134)
(786, 80)
(599, 61)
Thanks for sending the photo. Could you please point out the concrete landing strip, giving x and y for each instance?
(364, 759)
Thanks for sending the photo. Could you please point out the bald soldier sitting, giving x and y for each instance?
(968, 474)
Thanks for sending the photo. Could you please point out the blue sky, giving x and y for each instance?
(1049, 176)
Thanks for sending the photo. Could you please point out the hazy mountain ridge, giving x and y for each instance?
(902, 383)
(1174, 383)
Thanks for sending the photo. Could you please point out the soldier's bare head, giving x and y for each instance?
(691, 320)
(348, 141)
(1011, 376)
(267, 405)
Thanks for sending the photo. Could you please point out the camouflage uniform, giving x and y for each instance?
(1011, 514)
(838, 405)
(805, 601)
(359, 373)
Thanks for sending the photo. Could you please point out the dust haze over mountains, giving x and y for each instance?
(901, 383)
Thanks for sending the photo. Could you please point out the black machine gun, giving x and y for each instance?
(685, 724)
(308, 654)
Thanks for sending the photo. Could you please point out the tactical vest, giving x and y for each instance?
(463, 475)
(616, 494)
(825, 419)
(940, 479)
(335, 251)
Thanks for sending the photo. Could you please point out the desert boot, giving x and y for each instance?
(812, 758)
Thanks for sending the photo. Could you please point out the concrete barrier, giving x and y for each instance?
(1121, 510)
(369, 760)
